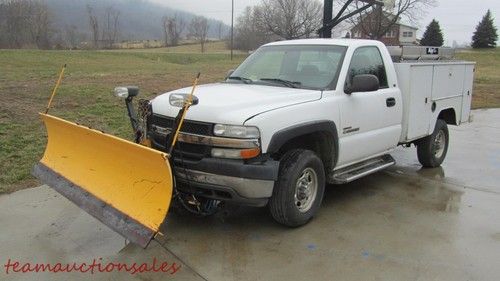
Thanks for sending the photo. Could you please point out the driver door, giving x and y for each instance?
(370, 121)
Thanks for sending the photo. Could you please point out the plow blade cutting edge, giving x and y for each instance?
(126, 186)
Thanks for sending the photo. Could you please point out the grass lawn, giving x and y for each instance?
(487, 79)
(28, 76)
(211, 48)
(85, 96)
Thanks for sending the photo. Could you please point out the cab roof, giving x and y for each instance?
(323, 41)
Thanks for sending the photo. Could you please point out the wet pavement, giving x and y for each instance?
(405, 223)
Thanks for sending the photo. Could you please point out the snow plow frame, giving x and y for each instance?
(125, 185)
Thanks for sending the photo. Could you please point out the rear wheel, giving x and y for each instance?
(432, 150)
(298, 193)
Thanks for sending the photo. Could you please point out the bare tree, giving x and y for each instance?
(72, 36)
(39, 22)
(24, 23)
(219, 30)
(378, 20)
(94, 26)
(164, 22)
(173, 28)
(14, 25)
(110, 26)
(250, 33)
(291, 19)
(3, 30)
(105, 33)
(199, 30)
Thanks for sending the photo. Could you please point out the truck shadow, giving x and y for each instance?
(381, 191)
(243, 216)
(349, 213)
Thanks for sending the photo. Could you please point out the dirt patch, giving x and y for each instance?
(23, 184)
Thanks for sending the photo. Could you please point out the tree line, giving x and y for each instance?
(292, 19)
(24, 23)
(174, 27)
(29, 24)
(485, 35)
(40, 24)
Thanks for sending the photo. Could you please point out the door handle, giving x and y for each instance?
(390, 102)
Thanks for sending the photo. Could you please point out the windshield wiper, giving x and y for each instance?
(291, 84)
(243, 79)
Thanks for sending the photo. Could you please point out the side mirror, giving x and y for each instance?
(363, 83)
(229, 72)
(126, 92)
(178, 100)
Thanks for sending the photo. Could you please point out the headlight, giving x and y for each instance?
(241, 132)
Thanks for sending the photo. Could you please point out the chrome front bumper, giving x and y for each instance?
(241, 190)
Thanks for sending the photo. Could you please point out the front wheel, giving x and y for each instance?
(432, 150)
(298, 193)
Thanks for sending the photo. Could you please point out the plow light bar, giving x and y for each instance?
(126, 92)
(179, 100)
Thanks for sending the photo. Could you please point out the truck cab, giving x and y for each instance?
(296, 115)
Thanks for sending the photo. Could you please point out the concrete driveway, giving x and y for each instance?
(405, 223)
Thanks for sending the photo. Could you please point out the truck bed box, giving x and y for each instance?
(430, 87)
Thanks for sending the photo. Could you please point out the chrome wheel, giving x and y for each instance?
(439, 144)
(306, 189)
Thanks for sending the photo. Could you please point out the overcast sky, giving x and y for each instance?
(458, 18)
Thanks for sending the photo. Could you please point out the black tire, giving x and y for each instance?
(295, 164)
(428, 148)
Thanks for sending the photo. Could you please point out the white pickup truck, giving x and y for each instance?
(296, 115)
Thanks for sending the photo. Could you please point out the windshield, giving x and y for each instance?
(296, 66)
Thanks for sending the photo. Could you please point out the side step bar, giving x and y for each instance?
(362, 169)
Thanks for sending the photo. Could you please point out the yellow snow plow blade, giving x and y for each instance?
(126, 186)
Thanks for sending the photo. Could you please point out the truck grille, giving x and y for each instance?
(186, 151)
(192, 127)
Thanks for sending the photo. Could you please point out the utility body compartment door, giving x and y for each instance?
(467, 97)
(448, 81)
(419, 102)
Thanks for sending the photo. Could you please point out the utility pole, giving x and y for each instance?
(327, 18)
(232, 27)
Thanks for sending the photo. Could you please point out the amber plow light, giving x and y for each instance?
(126, 186)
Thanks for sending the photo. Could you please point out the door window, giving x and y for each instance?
(367, 60)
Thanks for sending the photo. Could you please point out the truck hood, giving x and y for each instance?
(234, 103)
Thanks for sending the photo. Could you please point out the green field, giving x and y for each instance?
(487, 79)
(188, 47)
(28, 76)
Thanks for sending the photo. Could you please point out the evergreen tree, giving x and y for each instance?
(433, 36)
(485, 35)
